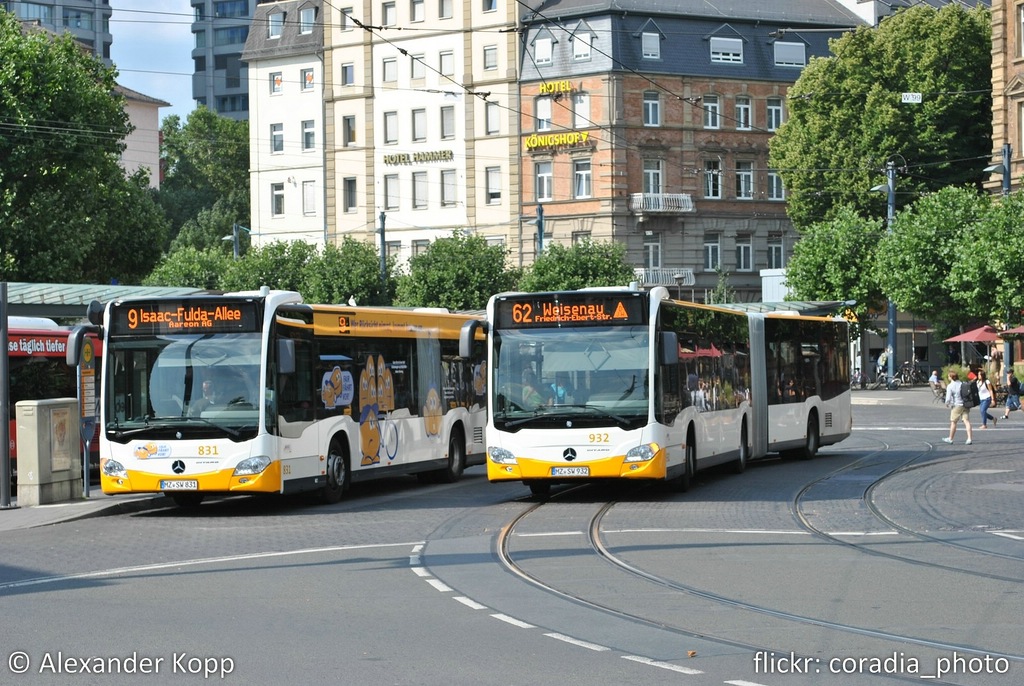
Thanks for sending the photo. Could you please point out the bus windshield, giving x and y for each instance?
(590, 376)
(204, 384)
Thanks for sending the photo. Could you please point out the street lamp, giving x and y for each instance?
(1003, 167)
(890, 189)
(234, 236)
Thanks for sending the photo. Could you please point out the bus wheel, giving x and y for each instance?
(187, 500)
(337, 473)
(813, 439)
(689, 466)
(539, 489)
(456, 459)
(740, 464)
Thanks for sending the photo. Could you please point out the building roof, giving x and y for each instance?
(828, 12)
(136, 96)
(259, 45)
(60, 301)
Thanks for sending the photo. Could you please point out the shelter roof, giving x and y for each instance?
(62, 301)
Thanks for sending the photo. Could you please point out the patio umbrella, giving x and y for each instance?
(983, 334)
(1018, 331)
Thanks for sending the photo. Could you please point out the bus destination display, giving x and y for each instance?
(184, 317)
(584, 309)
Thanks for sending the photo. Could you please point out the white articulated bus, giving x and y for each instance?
(258, 392)
(624, 384)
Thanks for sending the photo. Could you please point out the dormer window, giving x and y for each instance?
(275, 24)
(790, 54)
(727, 50)
(581, 46)
(542, 51)
(307, 17)
(651, 44)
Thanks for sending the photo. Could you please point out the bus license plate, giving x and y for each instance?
(570, 471)
(180, 485)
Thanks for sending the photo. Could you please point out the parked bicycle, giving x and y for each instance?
(882, 379)
(910, 374)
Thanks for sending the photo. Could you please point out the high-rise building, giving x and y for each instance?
(87, 20)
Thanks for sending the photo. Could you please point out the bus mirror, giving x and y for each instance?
(467, 336)
(669, 347)
(75, 338)
(285, 356)
(94, 312)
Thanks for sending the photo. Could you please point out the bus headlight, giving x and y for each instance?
(113, 468)
(252, 465)
(642, 453)
(501, 456)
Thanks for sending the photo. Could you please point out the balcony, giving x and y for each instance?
(663, 204)
(664, 276)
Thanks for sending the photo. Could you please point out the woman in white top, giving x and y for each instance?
(986, 393)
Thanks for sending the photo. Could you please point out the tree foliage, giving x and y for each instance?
(587, 263)
(846, 118)
(349, 270)
(65, 204)
(191, 268)
(460, 272)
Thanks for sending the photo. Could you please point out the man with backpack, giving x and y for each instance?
(959, 401)
(1012, 393)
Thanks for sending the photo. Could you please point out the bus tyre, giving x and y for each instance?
(337, 473)
(689, 466)
(187, 500)
(456, 459)
(813, 441)
(539, 489)
(740, 464)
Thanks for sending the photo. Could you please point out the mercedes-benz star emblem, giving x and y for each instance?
(178, 467)
(569, 454)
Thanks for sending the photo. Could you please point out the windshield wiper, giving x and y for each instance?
(170, 422)
(552, 412)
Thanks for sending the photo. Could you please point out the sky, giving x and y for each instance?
(152, 50)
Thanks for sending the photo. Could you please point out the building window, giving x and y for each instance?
(276, 83)
(389, 16)
(420, 246)
(231, 35)
(580, 237)
(543, 113)
(308, 135)
(309, 198)
(390, 128)
(348, 195)
(417, 67)
(545, 180)
(542, 51)
(348, 130)
(712, 119)
(447, 63)
(581, 110)
(444, 9)
(490, 57)
(275, 24)
(346, 21)
(712, 179)
(712, 253)
(581, 46)
(78, 19)
(417, 12)
(581, 179)
(448, 189)
(775, 252)
(1020, 31)
(419, 125)
(652, 250)
(276, 138)
(307, 17)
(650, 43)
(419, 190)
(774, 106)
(652, 108)
(790, 54)
(276, 199)
(743, 112)
(447, 122)
(744, 180)
(392, 249)
(391, 192)
(492, 117)
(490, 5)
(306, 79)
(744, 254)
(390, 70)
(652, 176)
(493, 176)
(775, 188)
(727, 50)
(348, 74)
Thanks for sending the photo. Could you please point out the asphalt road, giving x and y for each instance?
(890, 557)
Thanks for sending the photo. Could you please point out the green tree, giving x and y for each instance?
(65, 204)
(846, 118)
(835, 260)
(209, 228)
(280, 265)
(349, 270)
(587, 263)
(460, 272)
(191, 268)
(206, 163)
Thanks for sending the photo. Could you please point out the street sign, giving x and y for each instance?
(912, 98)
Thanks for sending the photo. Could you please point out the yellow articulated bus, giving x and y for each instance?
(627, 384)
(258, 392)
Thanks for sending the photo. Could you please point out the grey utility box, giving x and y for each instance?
(49, 451)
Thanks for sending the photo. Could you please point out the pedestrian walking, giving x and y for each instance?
(958, 410)
(1012, 393)
(986, 393)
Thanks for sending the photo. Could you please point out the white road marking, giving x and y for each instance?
(513, 621)
(662, 665)
(439, 586)
(420, 571)
(470, 603)
(1007, 534)
(577, 642)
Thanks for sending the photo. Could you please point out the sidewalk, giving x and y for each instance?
(97, 505)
